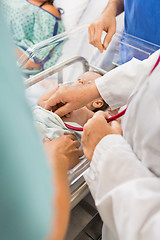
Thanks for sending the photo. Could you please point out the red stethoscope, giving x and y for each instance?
(118, 115)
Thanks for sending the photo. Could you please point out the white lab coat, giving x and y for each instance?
(124, 173)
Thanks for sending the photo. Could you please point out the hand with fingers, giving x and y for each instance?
(44, 98)
(65, 99)
(95, 129)
(64, 151)
(107, 23)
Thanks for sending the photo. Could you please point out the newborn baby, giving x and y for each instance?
(50, 125)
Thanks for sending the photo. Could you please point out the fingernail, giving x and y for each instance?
(105, 45)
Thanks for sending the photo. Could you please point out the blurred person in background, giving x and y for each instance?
(141, 20)
(35, 196)
(31, 22)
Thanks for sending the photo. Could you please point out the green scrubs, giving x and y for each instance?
(26, 192)
(30, 25)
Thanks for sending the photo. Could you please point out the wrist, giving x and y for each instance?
(114, 8)
(61, 164)
(93, 91)
(56, 159)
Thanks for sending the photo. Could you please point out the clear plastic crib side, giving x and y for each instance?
(122, 48)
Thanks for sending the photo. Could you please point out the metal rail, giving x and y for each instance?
(57, 68)
(79, 194)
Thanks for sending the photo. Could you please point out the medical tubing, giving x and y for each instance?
(53, 41)
(158, 60)
(118, 115)
(73, 128)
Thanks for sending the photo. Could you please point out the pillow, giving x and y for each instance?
(73, 9)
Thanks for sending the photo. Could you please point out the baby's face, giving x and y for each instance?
(88, 77)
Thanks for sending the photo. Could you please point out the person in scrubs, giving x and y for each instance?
(34, 201)
(141, 20)
(124, 174)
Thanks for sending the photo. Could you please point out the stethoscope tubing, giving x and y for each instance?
(118, 115)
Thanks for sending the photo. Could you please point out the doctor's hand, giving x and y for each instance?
(64, 99)
(44, 98)
(95, 129)
(106, 22)
(64, 151)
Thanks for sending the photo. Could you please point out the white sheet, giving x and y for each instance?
(73, 10)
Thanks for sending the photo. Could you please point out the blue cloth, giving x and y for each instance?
(142, 19)
(26, 192)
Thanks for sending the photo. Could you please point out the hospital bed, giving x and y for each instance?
(71, 65)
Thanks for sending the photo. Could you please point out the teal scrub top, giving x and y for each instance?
(26, 191)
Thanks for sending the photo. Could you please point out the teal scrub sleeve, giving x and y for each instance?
(26, 192)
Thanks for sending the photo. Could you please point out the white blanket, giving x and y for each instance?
(50, 125)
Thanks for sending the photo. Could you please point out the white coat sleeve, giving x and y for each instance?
(116, 86)
(127, 194)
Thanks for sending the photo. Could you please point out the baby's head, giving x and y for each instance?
(88, 78)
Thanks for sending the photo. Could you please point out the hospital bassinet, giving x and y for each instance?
(77, 57)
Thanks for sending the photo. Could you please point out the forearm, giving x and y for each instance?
(61, 203)
(64, 154)
(123, 189)
(115, 7)
(93, 92)
(29, 64)
(113, 153)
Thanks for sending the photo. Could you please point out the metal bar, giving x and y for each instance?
(46, 73)
(79, 194)
(60, 76)
(100, 70)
